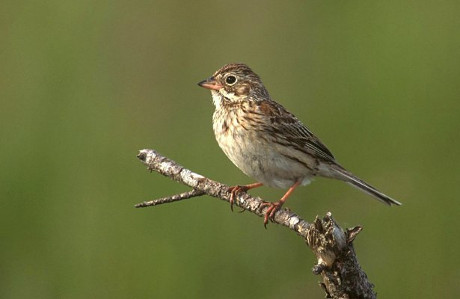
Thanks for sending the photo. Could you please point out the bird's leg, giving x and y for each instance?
(273, 207)
(235, 189)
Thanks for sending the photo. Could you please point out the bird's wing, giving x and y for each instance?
(289, 130)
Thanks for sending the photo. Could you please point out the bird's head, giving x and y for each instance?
(234, 83)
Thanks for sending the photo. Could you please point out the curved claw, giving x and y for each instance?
(233, 190)
(238, 188)
(273, 207)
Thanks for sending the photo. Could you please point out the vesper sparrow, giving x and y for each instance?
(267, 142)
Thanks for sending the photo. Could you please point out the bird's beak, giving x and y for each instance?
(210, 83)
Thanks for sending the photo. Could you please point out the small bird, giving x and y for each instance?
(267, 142)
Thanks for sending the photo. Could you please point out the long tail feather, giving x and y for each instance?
(363, 186)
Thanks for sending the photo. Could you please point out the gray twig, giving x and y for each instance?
(172, 198)
(337, 262)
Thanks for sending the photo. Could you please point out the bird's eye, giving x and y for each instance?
(230, 80)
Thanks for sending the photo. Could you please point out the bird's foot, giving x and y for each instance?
(240, 188)
(233, 190)
(273, 207)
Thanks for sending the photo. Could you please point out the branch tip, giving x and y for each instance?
(352, 233)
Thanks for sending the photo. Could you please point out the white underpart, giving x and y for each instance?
(216, 99)
(259, 158)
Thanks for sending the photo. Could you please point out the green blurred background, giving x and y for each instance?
(86, 84)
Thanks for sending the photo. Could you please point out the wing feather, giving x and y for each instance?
(287, 127)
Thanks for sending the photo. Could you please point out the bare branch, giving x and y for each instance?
(172, 198)
(337, 263)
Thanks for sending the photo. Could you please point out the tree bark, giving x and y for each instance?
(342, 276)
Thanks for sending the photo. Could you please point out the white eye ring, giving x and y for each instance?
(230, 80)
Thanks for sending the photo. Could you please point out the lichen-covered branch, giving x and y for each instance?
(337, 263)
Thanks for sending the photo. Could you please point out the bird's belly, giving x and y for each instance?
(264, 161)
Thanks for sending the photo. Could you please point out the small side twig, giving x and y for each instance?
(337, 262)
(169, 199)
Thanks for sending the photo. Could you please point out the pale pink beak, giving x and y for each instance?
(210, 83)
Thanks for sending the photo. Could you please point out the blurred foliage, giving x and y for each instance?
(85, 84)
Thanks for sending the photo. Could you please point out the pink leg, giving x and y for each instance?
(273, 207)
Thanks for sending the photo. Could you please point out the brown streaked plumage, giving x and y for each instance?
(267, 142)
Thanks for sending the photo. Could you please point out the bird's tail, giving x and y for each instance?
(356, 182)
